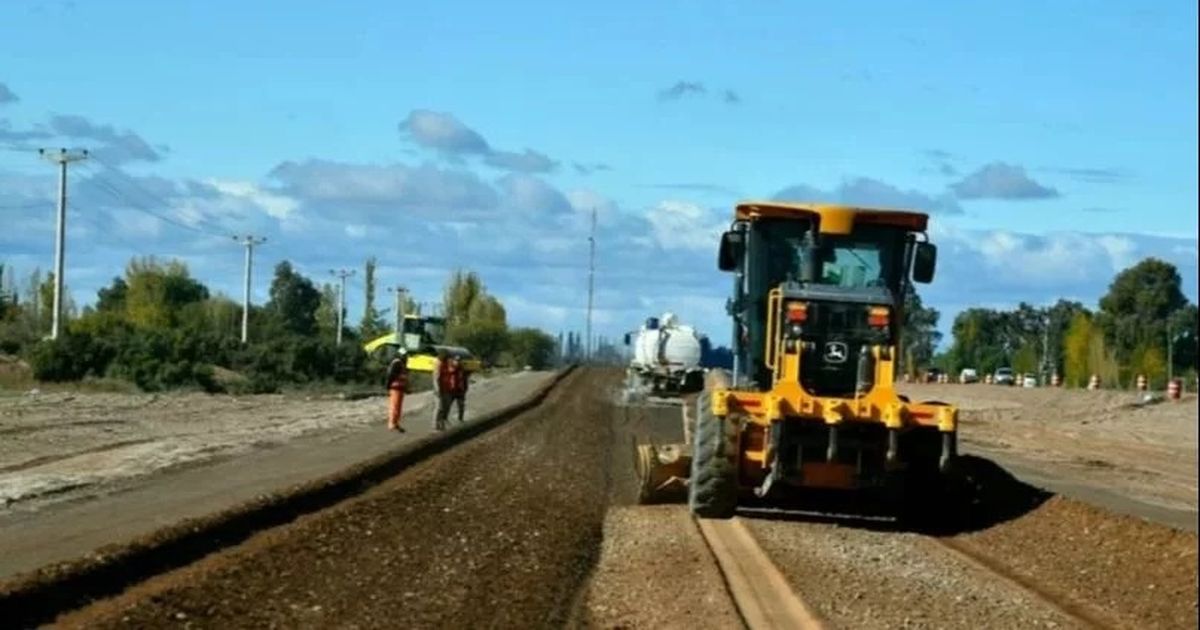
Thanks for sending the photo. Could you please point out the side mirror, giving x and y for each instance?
(730, 255)
(924, 263)
(627, 339)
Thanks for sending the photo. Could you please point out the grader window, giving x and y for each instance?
(871, 257)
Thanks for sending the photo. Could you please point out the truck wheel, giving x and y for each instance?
(712, 491)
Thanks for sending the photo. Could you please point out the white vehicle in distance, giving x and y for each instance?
(1029, 381)
(968, 375)
(1004, 376)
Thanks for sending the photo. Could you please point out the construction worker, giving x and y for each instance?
(459, 379)
(396, 382)
(442, 387)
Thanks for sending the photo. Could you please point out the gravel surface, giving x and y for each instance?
(499, 532)
(655, 570)
(858, 578)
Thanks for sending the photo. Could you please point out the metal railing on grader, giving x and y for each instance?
(817, 311)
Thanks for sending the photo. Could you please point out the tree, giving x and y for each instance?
(1139, 301)
(486, 340)
(532, 347)
(372, 324)
(294, 300)
(326, 314)
(1076, 343)
(112, 297)
(463, 289)
(1182, 335)
(919, 333)
(1150, 362)
(156, 292)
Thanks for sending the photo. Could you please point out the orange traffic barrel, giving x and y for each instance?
(1141, 382)
(1055, 381)
(1094, 382)
(1173, 388)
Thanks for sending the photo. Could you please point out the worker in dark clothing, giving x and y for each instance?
(442, 388)
(396, 382)
(459, 380)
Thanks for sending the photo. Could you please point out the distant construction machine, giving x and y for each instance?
(422, 337)
(817, 307)
(666, 357)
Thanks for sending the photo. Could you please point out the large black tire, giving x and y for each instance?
(712, 490)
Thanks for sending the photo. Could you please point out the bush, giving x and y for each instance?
(69, 358)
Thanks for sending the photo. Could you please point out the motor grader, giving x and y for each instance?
(817, 309)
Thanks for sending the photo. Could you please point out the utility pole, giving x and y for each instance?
(249, 242)
(400, 293)
(591, 286)
(62, 157)
(341, 274)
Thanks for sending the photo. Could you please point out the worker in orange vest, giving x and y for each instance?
(396, 382)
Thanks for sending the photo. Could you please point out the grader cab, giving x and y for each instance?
(817, 308)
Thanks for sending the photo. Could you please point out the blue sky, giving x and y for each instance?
(1054, 143)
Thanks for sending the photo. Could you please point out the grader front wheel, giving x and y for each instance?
(712, 490)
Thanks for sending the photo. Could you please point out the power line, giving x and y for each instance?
(101, 177)
(121, 197)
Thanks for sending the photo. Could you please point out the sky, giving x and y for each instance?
(1053, 144)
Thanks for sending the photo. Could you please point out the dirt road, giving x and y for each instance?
(196, 455)
(532, 525)
(1098, 447)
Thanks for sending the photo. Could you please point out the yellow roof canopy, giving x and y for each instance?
(833, 218)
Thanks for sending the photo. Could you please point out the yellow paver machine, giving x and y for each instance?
(817, 312)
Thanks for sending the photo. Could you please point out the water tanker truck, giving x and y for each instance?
(666, 357)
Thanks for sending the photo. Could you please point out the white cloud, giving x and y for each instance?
(275, 205)
(685, 225)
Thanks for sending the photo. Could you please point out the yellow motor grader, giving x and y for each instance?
(817, 308)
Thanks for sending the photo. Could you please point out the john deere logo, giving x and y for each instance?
(835, 352)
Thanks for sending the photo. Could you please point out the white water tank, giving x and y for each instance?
(665, 345)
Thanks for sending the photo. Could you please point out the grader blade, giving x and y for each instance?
(662, 471)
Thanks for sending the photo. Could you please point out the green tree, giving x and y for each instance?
(532, 347)
(294, 301)
(1139, 302)
(372, 324)
(1150, 362)
(112, 297)
(486, 340)
(463, 289)
(326, 314)
(1183, 336)
(1076, 346)
(919, 333)
(156, 292)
